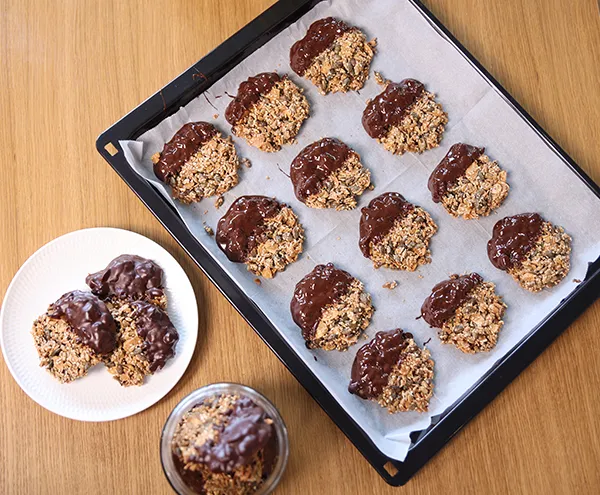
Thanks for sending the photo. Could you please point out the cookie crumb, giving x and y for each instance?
(576, 280)
(257, 281)
(268, 178)
(209, 230)
(216, 116)
(390, 285)
(219, 202)
(379, 79)
(246, 162)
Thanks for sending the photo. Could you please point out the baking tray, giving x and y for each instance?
(200, 77)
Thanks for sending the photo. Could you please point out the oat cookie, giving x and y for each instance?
(533, 251)
(395, 233)
(467, 311)
(468, 183)
(331, 307)
(73, 335)
(268, 111)
(333, 56)
(328, 174)
(261, 232)
(197, 162)
(405, 117)
(146, 340)
(393, 371)
(224, 445)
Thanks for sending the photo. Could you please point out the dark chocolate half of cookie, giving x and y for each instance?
(512, 238)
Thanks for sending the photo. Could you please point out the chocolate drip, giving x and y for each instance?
(323, 286)
(389, 107)
(375, 361)
(239, 230)
(182, 146)
(89, 318)
(128, 277)
(454, 165)
(249, 430)
(512, 238)
(314, 164)
(193, 479)
(160, 337)
(378, 218)
(446, 297)
(320, 35)
(248, 94)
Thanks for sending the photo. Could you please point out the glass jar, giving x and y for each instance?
(187, 403)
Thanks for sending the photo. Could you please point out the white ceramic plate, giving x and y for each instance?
(61, 266)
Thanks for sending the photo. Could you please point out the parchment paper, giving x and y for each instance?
(408, 46)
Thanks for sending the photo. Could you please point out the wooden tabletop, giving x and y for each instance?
(70, 69)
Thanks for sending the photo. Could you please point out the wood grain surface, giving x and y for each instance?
(69, 69)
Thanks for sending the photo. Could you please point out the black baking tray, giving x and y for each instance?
(198, 78)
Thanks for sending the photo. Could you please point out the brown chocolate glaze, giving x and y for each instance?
(128, 277)
(512, 238)
(378, 218)
(314, 164)
(182, 146)
(454, 165)
(193, 479)
(244, 435)
(160, 337)
(388, 108)
(320, 288)
(374, 362)
(89, 318)
(239, 230)
(447, 296)
(320, 35)
(248, 94)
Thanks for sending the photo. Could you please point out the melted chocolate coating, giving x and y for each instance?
(512, 238)
(389, 107)
(182, 146)
(454, 165)
(378, 218)
(314, 164)
(160, 337)
(374, 362)
(248, 94)
(193, 479)
(240, 228)
(321, 287)
(245, 434)
(89, 318)
(320, 35)
(127, 277)
(446, 297)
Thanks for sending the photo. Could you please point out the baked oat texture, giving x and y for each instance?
(344, 66)
(60, 353)
(410, 384)
(341, 188)
(421, 128)
(547, 263)
(406, 245)
(476, 194)
(280, 243)
(343, 321)
(477, 322)
(113, 303)
(275, 119)
(211, 171)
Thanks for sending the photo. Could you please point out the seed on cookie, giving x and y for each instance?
(267, 111)
(533, 251)
(468, 183)
(73, 335)
(393, 371)
(261, 232)
(333, 56)
(395, 233)
(129, 278)
(197, 162)
(405, 117)
(467, 311)
(331, 307)
(146, 340)
(329, 174)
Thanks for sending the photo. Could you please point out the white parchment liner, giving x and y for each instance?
(408, 46)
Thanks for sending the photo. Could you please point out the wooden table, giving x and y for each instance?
(69, 69)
